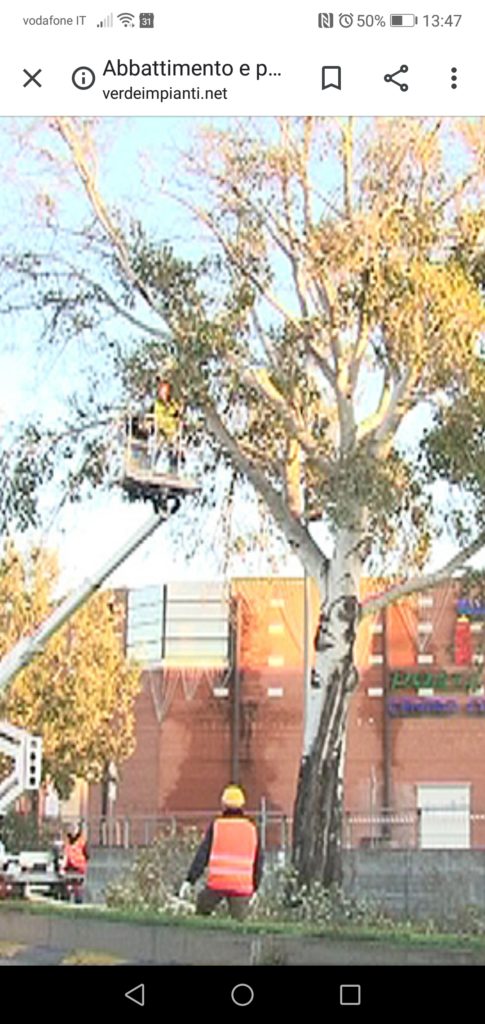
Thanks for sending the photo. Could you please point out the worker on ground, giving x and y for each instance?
(75, 863)
(166, 413)
(232, 854)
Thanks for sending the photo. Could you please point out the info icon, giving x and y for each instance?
(147, 20)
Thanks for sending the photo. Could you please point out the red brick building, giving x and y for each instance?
(223, 697)
(416, 736)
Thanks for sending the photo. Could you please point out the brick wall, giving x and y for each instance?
(184, 727)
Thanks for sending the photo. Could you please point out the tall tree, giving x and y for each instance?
(325, 342)
(79, 693)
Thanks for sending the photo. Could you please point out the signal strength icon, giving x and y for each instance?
(127, 20)
(106, 22)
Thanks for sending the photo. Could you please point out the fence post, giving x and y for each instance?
(263, 826)
(284, 839)
(345, 831)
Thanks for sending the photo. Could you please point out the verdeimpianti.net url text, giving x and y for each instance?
(163, 95)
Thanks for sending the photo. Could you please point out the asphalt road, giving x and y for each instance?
(16, 955)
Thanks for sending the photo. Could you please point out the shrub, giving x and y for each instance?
(157, 873)
(281, 898)
(23, 832)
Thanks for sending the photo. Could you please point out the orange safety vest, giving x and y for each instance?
(75, 854)
(231, 860)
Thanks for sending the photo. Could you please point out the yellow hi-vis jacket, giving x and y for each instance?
(166, 418)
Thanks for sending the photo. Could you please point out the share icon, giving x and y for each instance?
(392, 78)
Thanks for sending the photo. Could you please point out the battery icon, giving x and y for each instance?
(403, 20)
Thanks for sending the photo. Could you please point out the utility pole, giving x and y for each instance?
(386, 733)
(236, 691)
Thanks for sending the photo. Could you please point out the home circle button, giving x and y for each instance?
(242, 995)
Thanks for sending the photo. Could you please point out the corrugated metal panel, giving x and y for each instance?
(189, 628)
(194, 610)
(197, 622)
(143, 596)
(193, 647)
(197, 591)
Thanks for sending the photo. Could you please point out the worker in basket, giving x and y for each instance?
(166, 413)
(231, 852)
(75, 861)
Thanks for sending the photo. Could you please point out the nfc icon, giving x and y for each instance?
(325, 20)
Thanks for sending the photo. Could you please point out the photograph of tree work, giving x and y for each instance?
(242, 574)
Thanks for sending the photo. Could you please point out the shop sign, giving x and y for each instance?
(436, 707)
(466, 681)
(473, 608)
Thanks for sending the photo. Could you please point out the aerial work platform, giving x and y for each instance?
(142, 484)
(154, 466)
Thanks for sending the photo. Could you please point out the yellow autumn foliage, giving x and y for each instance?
(79, 694)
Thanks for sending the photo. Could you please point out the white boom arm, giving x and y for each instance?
(24, 749)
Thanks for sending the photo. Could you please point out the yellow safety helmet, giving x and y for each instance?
(233, 797)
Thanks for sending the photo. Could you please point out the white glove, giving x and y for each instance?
(185, 891)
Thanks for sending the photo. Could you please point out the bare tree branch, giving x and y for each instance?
(85, 162)
(427, 581)
(295, 533)
(376, 419)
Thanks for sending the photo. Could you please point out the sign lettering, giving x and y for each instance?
(465, 681)
(437, 707)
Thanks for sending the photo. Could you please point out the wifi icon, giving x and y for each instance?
(127, 20)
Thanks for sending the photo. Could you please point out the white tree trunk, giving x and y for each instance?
(317, 827)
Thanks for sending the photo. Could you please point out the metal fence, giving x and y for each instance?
(402, 831)
(416, 828)
(399, 830)
(129, 832)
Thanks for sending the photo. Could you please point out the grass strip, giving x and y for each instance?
(399, 934)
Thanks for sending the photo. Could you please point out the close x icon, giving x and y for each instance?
(32, 76)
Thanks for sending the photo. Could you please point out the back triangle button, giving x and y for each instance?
(137, 995)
